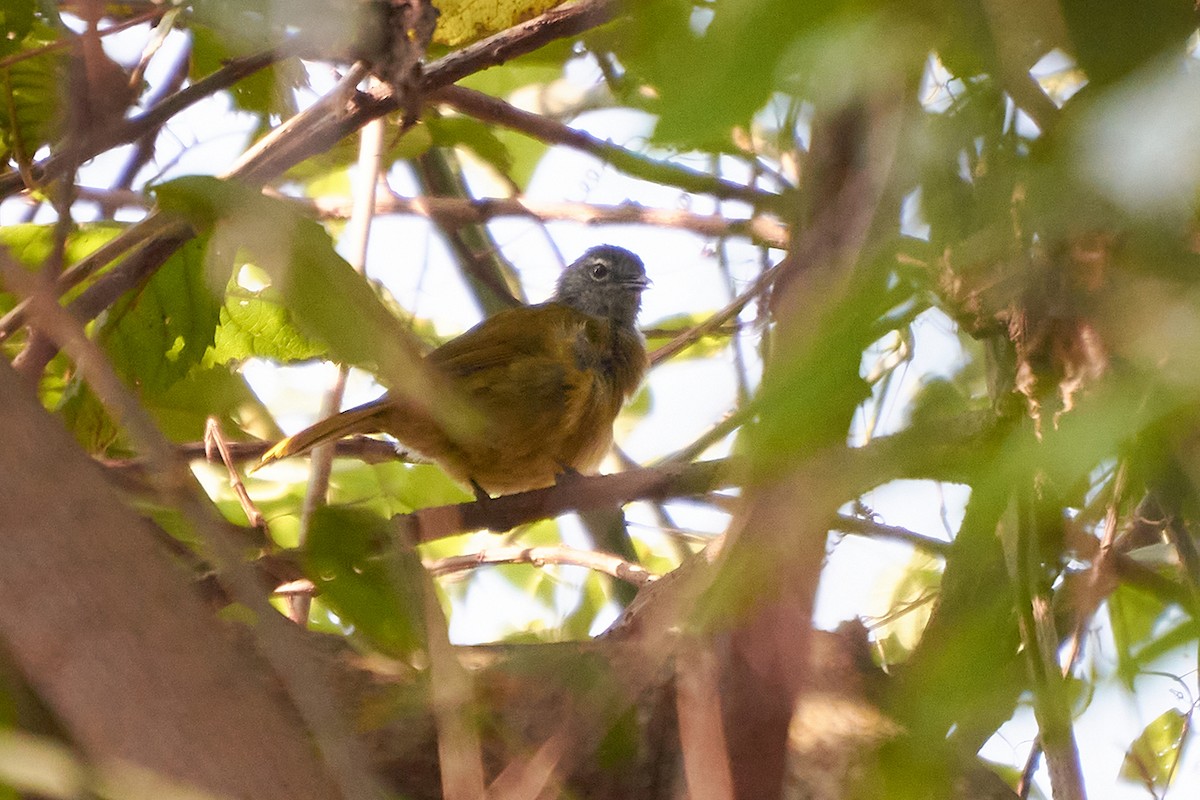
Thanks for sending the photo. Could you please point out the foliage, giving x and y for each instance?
(1021, 180)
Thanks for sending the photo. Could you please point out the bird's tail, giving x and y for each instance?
(362, 419)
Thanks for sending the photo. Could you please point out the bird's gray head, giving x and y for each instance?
(606, 281)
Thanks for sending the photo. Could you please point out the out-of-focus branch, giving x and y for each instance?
(138, 126)
(761, 229)
(537, 556)
(497, 112)
(300, 679)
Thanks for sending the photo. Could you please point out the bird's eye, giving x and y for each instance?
(599, 272)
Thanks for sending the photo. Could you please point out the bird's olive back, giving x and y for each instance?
(606, 281)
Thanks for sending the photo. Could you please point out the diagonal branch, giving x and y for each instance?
(150, 120)
(497, 112)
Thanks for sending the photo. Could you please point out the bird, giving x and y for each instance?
(544, 381)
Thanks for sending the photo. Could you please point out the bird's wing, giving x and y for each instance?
(531, 332)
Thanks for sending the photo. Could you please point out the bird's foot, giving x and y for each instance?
(481, 495)
(567, 475)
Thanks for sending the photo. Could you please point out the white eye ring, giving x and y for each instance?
(599, 272)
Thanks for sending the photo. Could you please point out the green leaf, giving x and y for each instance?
(1133, 614)
(268, 91)
(1114, 38)
(154, 337)
(16, 21)
(30, 102)
(85, 416)
(465, 21)
(324, 296)
(32, 244)
(704, 347)
(592, 600)
(472, 135)
(1153, 756)
(395, 488)
(365, 579)
(255, 324)
(533, 69)
(183, 410)
(339, 158)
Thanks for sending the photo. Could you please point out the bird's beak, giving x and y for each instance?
(640, 284)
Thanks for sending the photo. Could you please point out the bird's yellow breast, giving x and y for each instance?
(547, 383)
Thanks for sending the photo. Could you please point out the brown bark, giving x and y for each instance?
(117, 641)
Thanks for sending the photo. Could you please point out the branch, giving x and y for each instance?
(713, 323)
(573, 494)
(301, 681)
(760, 229)
(136, 127)
(152, 15)
(497, 112)
(538, 556)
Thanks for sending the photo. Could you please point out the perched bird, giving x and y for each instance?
(545, 381)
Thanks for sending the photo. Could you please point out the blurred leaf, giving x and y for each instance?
(618, 750)
(85, 416)
(155, 336)
(268, 91)
(665, 330)
(368, 583)
(31, 106)
(464, 21)
(41, 766)
(714, 67)
(532, 69)
(344, 154)
(577, 626)
(474, 136)
(1132, 614)
(183, 410)
(1183, 635)
(32, 244)
(1153, 756)
(16, 21)
(809, 397)
(1114, 38)
(243, 26)
(323, 294)
(539, 582)
(640, 405)
(910, 607)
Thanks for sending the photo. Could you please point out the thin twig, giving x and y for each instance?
(214, 439)
(760, 229)
(714, 322)
(1056, 737)
(358, 234)
(539, 556)
(149, 120)
(514, 554)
